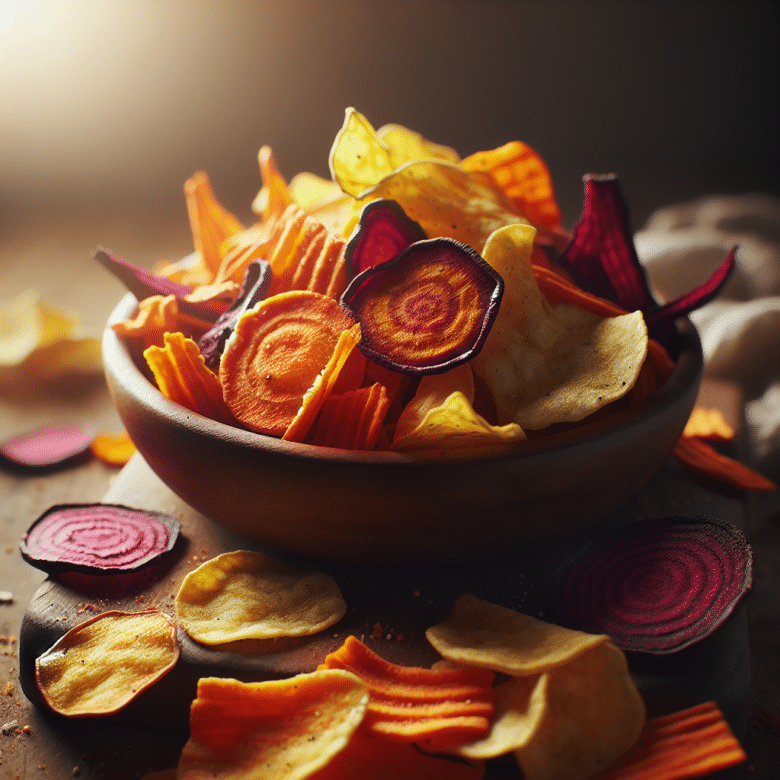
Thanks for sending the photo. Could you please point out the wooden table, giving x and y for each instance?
(45, 746)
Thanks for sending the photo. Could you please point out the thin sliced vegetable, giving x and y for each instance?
(98, 538)
(428, 309)
(101, 665)
(48, 446)
(659, 586)
(690, 743)
(113, 449)
(276, 353)
(257, 281)
(274, 197)
(182, 376)
(708, 423)
(434, 708)
(383, 232)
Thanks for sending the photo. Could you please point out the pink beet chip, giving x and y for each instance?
(49, 445)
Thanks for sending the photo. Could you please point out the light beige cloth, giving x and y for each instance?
(681, 246)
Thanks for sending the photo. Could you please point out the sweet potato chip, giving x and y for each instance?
(434, 708)
(486, 635)
(546, 364)
(155, 316)
(593, 714)
(250, 595)
(272, 730)
(182, 375)
(101, 665)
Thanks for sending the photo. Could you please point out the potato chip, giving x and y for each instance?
(404, 145)
(547, 364)
(324, 200)
(482, 634)
(250, 595)
(593, 714)
(101, 665)
(275, 729)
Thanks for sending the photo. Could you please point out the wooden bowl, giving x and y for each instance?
(388, 507)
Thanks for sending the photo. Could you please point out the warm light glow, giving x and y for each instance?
(7, 14)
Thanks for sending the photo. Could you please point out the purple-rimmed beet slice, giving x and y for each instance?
(143, 284)
(98, 539)
(428, 309)
(658, 586)
(383, 232)
(49, 446)
(254, 288)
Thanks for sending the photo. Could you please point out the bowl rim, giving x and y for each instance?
(120, 366)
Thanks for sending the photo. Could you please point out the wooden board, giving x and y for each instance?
(390, 608)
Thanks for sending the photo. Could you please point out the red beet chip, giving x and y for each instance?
(98, 539)
(49, 446)
(254, 288)
(383, 232)
(428, 309)
(659, 586)
(144, 284)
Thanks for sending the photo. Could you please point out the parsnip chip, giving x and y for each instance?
(593, 714)
(276, 729)
(479, 633)
(250, 595)
(101, 665)
(547, 364)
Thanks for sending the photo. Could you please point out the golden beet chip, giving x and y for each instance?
(182, 376)
(593, 714)
(276, 352)
(276, 729)
(250, 595)
(479, 633)
(101, 665)
(546, 364)
(434, 708)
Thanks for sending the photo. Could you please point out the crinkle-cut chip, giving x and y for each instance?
(323, 385)
(250, 595)
(434, 708)
(593, 713)
(101, 665)
(271, 730)
(351, 420)
(182, 376)
(113, 449)
(520, 709)
(275, 354)
(155, 316)
(375, 758)
(689, 743)
(453, 430)
(546, 364)
(523, 176)
(486, 635)
(274, 197)
(40, 340)
(219, 294)
(240, 250)
(708, 423)
(447, 201)
(210, 222)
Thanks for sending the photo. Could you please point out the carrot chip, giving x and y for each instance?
(276, 729)
(101, 665)
(250, 595)
(113, 449)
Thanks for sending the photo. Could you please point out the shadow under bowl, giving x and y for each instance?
(385, 507)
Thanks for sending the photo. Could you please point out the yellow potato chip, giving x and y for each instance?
(249, 595)
(276, 729)
(404, 145)
(479, 633)
(324, 200)
(546, 364)
(593, 714)
(102, 664)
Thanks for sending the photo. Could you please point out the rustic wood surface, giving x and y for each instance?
(42, 745)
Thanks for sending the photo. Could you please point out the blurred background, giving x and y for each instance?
(107, 106)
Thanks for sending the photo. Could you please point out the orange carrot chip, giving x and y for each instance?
(101, 665)
(482, 634)
(434, 708)
(275, 354)
(272, 730)
(155, 316)
(113, 449)
(249, 595)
